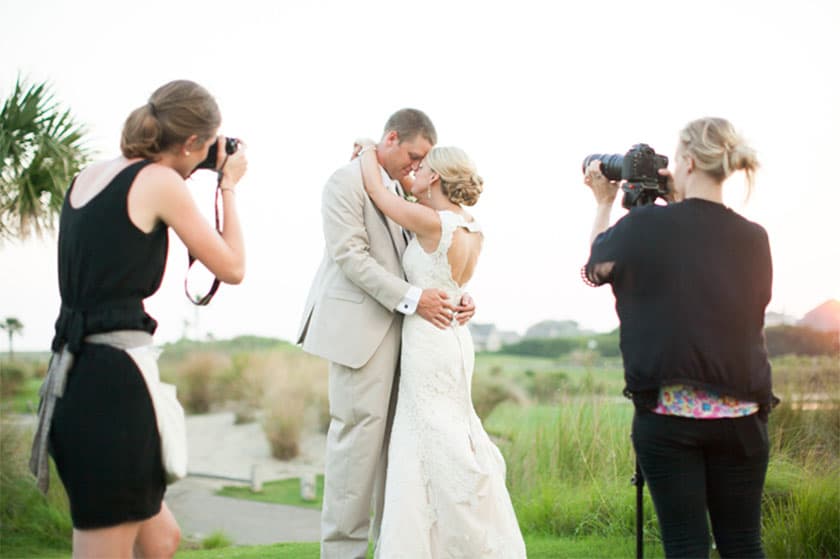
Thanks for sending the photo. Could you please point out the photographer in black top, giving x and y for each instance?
(692, 280)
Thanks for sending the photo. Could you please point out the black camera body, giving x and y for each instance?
(231, 145)
(639, 168)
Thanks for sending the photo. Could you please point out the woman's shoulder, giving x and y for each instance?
(461, 218)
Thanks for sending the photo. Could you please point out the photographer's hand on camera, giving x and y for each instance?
(232, 166)
(604, 191)
(672, 195)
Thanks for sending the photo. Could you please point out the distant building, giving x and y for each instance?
(772, 318)
(825, 317)
(486, 337)
(509, 337)
(554, 329)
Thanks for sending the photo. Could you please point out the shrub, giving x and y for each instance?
(801, 340)
(199, 378)
(12, 377)
(294, 397)
(28, 519)
(547, 386)
(216, 540)
(490, 391)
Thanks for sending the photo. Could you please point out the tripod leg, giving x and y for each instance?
(639, 482)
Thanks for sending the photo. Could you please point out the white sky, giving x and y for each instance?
(527, 88)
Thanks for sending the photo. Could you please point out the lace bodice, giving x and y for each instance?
(432, 270)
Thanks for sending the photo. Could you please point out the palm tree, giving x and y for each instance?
(41, 150)
(12, 326)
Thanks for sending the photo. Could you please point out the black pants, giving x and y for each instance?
(693, 466)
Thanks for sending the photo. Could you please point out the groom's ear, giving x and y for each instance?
(392, 138)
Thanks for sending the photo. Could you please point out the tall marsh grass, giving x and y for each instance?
(569, 467)
(29, 521)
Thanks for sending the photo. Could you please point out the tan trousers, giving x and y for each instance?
(362, 405)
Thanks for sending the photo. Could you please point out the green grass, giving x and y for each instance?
(31, 525)
(283, 492)
(539, 547)
(25, 400)
(569, 464)
(216, 540)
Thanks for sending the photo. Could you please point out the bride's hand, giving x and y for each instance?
(359, 144)
(465, 310)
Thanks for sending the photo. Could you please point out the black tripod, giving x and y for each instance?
(639, 481)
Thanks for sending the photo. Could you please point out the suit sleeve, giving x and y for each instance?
(342, 211)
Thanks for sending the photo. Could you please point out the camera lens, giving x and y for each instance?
(610, 164)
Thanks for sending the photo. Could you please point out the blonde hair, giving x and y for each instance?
(717, 149)
(175, 111)
(458, 179)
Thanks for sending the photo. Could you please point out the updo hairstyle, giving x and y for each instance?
(718, 150)
(176, 111)
(458, 179)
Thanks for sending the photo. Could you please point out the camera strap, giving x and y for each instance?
(203, 300)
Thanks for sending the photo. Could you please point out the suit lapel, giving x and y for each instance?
(394, 230)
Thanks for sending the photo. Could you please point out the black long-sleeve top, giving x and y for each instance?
(691, 281)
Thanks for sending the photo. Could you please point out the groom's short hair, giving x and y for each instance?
(408, 123)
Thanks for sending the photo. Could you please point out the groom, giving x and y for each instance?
(353, 318)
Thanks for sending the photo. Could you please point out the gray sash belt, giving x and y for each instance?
(53, 388)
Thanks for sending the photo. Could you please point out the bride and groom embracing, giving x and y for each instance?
(388, 310)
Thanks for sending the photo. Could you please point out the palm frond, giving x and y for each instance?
(41, 149)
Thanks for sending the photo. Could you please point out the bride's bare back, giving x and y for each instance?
(463, 254)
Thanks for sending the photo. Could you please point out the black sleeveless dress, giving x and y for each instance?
(104, 437)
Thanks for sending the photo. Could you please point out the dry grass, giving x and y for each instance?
(293, 397)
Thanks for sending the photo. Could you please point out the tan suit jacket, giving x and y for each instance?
(360, 281)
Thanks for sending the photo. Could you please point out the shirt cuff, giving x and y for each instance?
(409, 303)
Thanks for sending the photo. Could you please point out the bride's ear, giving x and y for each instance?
(434, 177)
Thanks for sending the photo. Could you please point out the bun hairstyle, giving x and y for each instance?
(717, 149)
(175, 111)
(458, 178)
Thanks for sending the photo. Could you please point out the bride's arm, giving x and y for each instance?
(421, 220)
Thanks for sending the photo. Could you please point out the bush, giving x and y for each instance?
(490, 391)
(801, 340)
(216, 540)
(546, 387)
(604, 345)
(12, 377)
(294, 396)
(28, 519)
(200, 379)
(542, 347)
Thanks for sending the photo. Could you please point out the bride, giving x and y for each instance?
(445, 493)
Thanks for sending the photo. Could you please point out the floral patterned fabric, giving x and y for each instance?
(687, 401)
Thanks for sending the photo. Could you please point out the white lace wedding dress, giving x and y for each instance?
(445, 495)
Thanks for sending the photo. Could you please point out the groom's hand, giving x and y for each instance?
(435, 307)
(466, 310)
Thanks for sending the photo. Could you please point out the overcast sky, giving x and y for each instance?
(526, 88)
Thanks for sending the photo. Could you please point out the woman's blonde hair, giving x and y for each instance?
(458, 179)
(175, 111)
(717, 149)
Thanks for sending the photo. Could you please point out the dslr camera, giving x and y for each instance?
(639, 169)
(231, 145)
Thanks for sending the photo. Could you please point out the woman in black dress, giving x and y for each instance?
(692, 280)
(112, 254)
